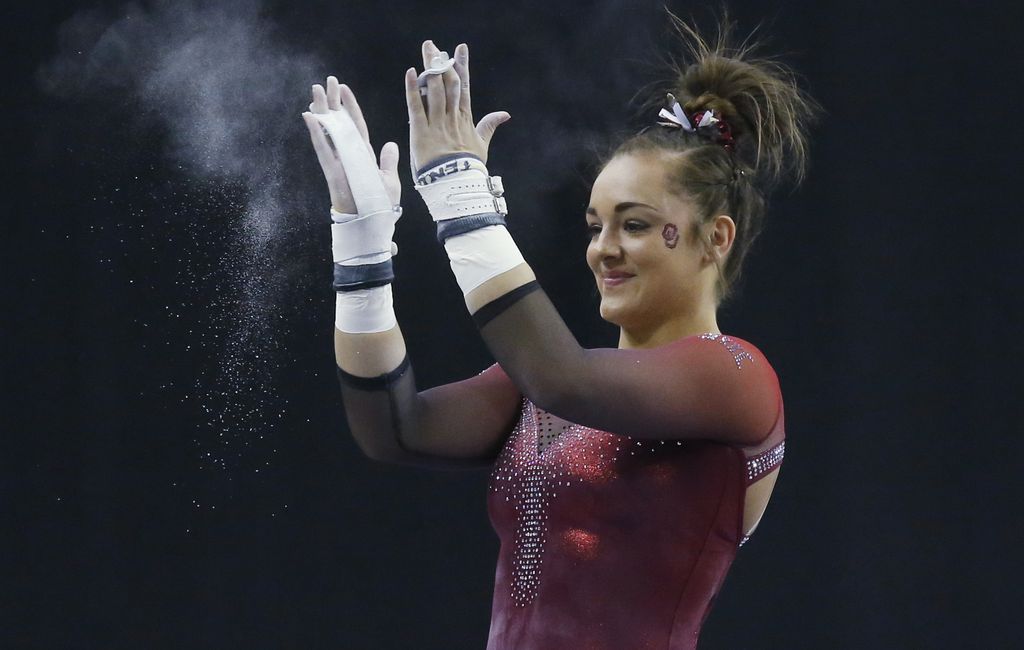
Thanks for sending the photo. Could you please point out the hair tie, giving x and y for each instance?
(719, 133)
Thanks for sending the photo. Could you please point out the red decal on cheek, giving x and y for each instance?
(670, 234)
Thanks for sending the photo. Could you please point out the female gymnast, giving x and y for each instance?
(624, 480)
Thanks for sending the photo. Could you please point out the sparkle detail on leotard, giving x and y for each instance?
(539, 459)
(530, 476)
(733, 346)
(761, 464)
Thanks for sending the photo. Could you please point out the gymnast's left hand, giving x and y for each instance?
(442, 122)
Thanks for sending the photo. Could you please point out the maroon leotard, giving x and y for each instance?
(613, 542)
(618, 495)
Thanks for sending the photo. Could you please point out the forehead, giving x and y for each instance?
(630, 177)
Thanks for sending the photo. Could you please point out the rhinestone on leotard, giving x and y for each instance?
(530, 478)
(758, 466)
(733, 346)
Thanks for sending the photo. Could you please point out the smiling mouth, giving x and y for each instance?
(614, 282)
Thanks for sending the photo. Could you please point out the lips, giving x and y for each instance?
(615, 278)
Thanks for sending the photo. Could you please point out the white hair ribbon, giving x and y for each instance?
(677, 118)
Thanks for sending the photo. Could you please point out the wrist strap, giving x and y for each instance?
(361, 247)
(362, 276)
(365, 235)
(454, 227)
(459, 186)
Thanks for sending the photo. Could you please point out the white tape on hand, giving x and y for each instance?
(364, 179)
(365, 311)
(439, 64)
(479, 255)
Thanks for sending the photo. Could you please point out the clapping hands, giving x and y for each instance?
(335, 97)
(442, 124)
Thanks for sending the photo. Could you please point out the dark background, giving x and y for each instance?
(159, 296)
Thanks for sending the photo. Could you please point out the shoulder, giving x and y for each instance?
(736, 375)
(716, 347)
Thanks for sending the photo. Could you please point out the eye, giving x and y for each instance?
(593, 229)
(635, 226)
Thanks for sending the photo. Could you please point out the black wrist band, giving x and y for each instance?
(487, 313)
(362, 276)
(461, 225)
(380, 382)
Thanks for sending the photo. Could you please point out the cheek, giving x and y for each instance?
(669, 266)
(592, 259)
(670, 235)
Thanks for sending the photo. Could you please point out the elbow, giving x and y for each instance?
(553, 388)
(552, 399)
(375, 453)
(390, 448)
(564, 403)
(375, 447)
(387, 456)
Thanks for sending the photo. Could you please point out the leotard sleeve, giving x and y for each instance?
(455, 425)
(710, 386)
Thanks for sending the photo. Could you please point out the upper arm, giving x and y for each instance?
(719, 388)
(468, 419)
(458, 425)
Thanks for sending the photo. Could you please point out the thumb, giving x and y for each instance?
(389, 158)
(487, 125)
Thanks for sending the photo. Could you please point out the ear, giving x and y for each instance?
(721, 234)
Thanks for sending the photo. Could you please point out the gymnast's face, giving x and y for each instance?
(642, 252)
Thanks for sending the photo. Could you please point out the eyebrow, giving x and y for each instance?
(625, 205)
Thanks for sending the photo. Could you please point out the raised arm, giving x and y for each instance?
(709, 388)
(457, 425)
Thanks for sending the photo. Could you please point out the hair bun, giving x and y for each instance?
(762, 118)
(758, 97)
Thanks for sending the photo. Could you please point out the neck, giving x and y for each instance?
(636, 338)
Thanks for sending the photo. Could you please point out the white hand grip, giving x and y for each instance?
(360, 167)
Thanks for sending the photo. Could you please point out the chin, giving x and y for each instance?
(614, 315)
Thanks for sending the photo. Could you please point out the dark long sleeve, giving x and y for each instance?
(461, 424)
(710, 387)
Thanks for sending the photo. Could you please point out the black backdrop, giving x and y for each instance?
(176, 469)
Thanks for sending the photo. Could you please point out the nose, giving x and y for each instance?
(607, 245)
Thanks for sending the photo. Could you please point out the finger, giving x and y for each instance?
(333, 93)
(348, 100)
(428, 49)
(489, 124)
(435, 98)
(319, 104)
(321, 146)
(389, 158)
(417, 116)
(462, 69)
(452, 91)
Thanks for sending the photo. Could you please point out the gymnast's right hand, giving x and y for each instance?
(364, 196)
(340, 97)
